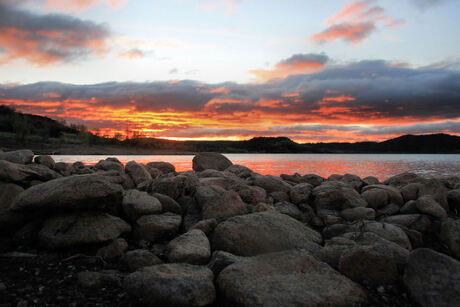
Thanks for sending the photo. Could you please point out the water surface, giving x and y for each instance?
(381, 166)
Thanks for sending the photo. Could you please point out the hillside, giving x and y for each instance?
(45, 135)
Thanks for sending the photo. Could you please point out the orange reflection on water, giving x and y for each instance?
(381, 166)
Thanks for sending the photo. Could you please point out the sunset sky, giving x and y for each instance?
(314, 71)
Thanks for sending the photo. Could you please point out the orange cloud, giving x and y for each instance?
(355, 22)
(131, 54)
(295, 65)
(81, 5)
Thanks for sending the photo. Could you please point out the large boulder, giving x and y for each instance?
(22, 174)
(164, 167)
(263, 232)
(139, 258)
(175, 284)
(109, 165)
(191, 247)
(218, 203)
(81, 228)
(450, 235)
(289, 278)
(336, 195)
(453, 198)
(379, 195)
(210, 160)
(270, 183)
(252, 194)
(432, 278)
(71, 193)
(138, 172)
(45, 160)
(9, 219)
(168, 203)
(137, 203)
(23, 156)
(158, 227)
(300, 193)
(428, 205)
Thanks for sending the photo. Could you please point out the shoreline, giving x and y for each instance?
(217, 234)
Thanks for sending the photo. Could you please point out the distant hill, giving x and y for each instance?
(43, 134)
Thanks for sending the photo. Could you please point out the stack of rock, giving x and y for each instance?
(225, 234)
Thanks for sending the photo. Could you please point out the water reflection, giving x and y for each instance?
(380, 166)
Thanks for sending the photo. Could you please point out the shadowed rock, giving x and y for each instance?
(158, 227)
(137, 203)
(191, 247)
(210, 160)
(289, 278)
(23, 156)
(217, 203)
(175, 284)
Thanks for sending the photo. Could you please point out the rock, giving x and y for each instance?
(78, 168)
(252, 194)
(300, 193)
(137, 203)
(369, 180)
(239, 170)
(191, 247)
(409, 207)
(94, 192)
(220, 260)
(289, 209)
(428, 205)
(115, 249)
(332, 219)
(207, 226)
(9, 220)
(168, 204)
(374, 264)
(139, 258)
(218, 181)
(453, 198)
(312, 179)
(334, 177)
(217, 203)
(23, 156)
(210, 160)
(97, 280)
(263, 232)
(80, 229)
(62, 168)
(164, 167)
(335, 195)
(138, 172)
(278, 196)
(433, 279)
(290, 278)
(359, 213)
(450, 235)
(45, 160)
(21, 174)
(158, 227)
(175, 284)
(354, 181)
(419, 222)
(389, 209)
(292, 179)
(379, 195)
(166, 186)
(387, 231)
(108, 165)
(270, 183)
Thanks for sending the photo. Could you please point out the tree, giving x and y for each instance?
(21, 126)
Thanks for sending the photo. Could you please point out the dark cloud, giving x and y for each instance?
(50, 38)
(306, 58)
(174, 71)
(427, 4)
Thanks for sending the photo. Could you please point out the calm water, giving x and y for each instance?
(381, 166)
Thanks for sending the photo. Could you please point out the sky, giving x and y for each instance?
(311, 70)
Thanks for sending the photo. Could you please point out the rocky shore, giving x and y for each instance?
(222, 235)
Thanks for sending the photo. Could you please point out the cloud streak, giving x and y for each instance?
(354, 23)
(48, 39)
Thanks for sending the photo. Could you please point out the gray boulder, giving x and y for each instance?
(217, 203)
(210, 160)
(137, 203)
(191, 247)
(453, 197)
(220, 260)
(21, 174)
(300, 193)
(252, 194)
(168, 203)
(379, 195)
(312, 179)
(239, 170)
(71, 193)
(358, 213)
(164, 167)
(336, 195)
(290, 278)
(450, 235)
(45, 160)
(433, 279)
(175, 284)
(428, 205)
(263, 232)
(108, 165)
(270, 183)
(138, 172)
(81, 229)
(139, 258)
(23, 156)
(158, 227)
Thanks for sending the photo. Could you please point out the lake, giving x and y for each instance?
(381, 166)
